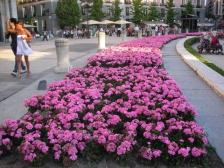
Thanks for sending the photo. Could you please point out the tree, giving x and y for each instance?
(153, 12)
(116, 10)
(189, 8)
(68, 13)
(170, 12)
(96, 12)
(137, 11)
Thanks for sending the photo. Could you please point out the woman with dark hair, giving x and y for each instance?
(11, 25)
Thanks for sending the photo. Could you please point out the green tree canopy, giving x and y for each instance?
(116, 10)
(68, 13)
(96, 11)
(153, 12)
(170, 12)
(189, 8)
(137, 11)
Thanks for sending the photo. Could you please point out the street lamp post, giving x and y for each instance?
(87, 18)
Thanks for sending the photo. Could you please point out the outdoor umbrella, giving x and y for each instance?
(107, 22)
(122, 22)
(91, 22)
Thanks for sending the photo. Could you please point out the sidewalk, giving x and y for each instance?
(209, 105)
(13, 92)
(215, 59)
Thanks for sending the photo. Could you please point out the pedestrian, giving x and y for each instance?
(118, 32)
(23, 49)
(45, 35)
(11, 25)
(72, 33)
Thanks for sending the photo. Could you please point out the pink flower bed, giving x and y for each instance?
(123, 101)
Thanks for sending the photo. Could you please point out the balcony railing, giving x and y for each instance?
(28, 1)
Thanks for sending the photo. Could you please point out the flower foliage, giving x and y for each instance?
(122, 101)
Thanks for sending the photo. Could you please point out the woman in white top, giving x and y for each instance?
(23, 48)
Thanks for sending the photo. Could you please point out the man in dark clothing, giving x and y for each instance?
(11, 32)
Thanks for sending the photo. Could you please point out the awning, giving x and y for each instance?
(153, 24)
(29, 26)
(205, 24)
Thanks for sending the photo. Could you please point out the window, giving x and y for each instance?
(23, 12)
(33, 11)
(127, 11)
(108, 11)
(42, 9)
(127, 1)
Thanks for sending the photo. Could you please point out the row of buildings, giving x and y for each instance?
(41, 13)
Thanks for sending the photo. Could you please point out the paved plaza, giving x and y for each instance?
(14, 91)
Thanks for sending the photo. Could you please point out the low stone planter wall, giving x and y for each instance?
(212, 78)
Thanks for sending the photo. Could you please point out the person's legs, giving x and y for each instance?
(14, 47)
(27, 65)
(18, 60)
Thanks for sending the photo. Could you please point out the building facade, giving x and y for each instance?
(40, 13)
(7, 10)
(218, 8)
(126, 5)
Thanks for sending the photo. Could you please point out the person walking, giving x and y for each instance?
(23, 49)
(11, 29)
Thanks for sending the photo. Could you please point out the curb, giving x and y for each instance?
(212, 78)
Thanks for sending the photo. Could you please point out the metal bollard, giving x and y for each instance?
(101, 41)
(62, 49)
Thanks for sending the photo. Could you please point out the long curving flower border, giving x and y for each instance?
(122, 102)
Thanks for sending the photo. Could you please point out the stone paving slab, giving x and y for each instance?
(209, 105)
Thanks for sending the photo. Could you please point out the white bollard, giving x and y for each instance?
(139, 34)
(62, 49)
(124, 34)
(101, 41)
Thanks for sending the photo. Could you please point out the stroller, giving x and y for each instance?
(205, 45)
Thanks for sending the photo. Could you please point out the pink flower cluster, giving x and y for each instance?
(123, 101)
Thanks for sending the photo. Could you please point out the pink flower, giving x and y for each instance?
(196, 152)
(111, 147)
(6, 141)
(184, 151)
